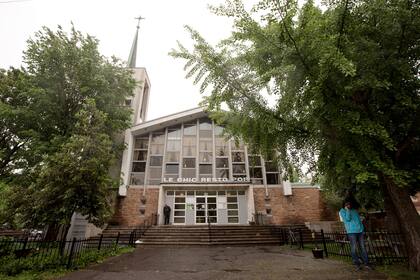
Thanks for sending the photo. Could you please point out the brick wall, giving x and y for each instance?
(305, 205)
(128, 209)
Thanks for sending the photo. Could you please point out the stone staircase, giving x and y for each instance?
(231, 235)
(216, 235)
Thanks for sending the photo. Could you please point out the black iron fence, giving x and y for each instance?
(382, 247)
(63, 253)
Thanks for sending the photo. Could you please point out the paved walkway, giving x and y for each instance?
(178, 263)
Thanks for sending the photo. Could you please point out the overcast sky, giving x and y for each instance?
(112, 22)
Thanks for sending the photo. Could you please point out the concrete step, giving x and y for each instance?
(231, 235)
(226, 243)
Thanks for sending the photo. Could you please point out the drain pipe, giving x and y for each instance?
(264, 177)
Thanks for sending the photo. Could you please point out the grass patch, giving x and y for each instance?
(29, 268)
(398, 272)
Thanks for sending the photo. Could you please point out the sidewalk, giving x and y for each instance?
(178, 263)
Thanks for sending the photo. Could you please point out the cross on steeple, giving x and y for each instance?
(139, 18)
(131, 63)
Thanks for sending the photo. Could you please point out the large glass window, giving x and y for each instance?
(200, 149)
(172, 168)
(190, 129)
(238, 160)
(157, 143)
(188, 163)
(189, 151)
(138, 167)
(156, 161)
(222, 162)
(141, 143)
(205, 128)
(238, 156)
(222, 153)
(205, 157)
(272, 173)
(255, 169)
(221, 147)
(205, 169)
(190, 146)
(173, 150)
(156, 158)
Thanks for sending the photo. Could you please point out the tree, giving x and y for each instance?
(16, 119)
(75, 178)
(64, 110)
(347, 83)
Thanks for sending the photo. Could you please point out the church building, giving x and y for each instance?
(183, 160)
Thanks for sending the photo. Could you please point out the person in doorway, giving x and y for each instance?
(167, 213)
(355, 232)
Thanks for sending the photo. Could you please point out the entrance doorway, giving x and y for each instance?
(199, 207)
(206, 209)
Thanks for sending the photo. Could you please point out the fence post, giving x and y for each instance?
(62, 245)
(283, 235)
(118, 239)
(71, 253)
(324, 243)
(301, 238)
(100, 242)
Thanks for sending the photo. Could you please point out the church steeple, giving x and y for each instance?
(131, 63)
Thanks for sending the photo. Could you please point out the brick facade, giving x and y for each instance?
(304, 205)
(132, 209)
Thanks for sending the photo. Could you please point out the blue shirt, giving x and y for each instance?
(351, 220)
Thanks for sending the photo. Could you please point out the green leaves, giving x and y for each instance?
(61, 114)
(346, 81)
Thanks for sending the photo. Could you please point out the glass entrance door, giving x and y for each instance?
(179, 205)
(206, 209)
(200, 210)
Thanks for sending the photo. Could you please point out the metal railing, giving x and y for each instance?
(138, 232)
(382, 247)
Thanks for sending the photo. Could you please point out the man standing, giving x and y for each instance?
(355, 233)
(167, 213)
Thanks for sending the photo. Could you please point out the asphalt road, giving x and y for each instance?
(178, 263)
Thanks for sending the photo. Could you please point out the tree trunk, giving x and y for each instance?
(392, 222)
(409, 220)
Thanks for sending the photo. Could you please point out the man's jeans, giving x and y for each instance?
(167, 219)
(358, 239)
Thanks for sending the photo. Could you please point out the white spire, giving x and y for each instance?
(131, 63)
